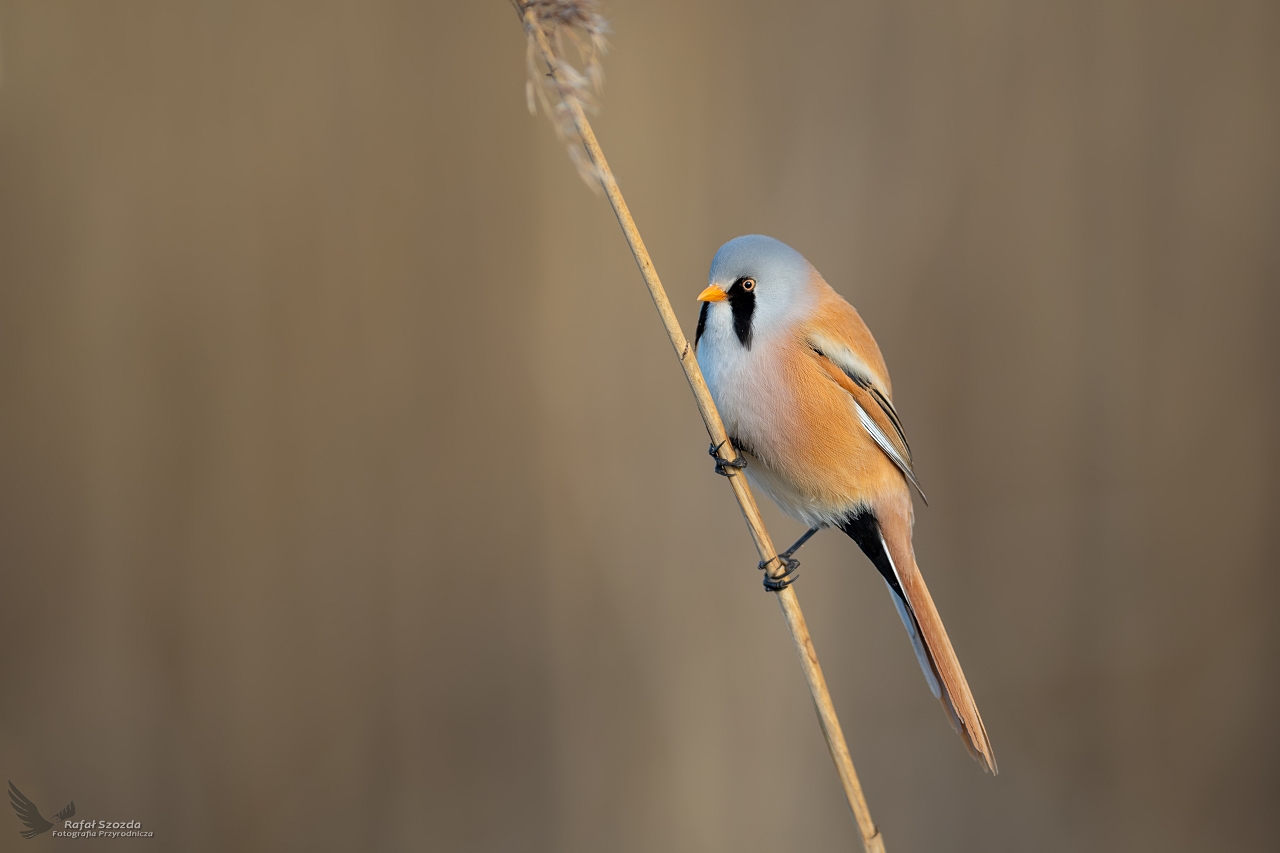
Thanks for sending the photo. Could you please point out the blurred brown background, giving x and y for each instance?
(351, 498)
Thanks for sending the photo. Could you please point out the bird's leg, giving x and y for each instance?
(723, 465)
(799, 543)
(791, 565)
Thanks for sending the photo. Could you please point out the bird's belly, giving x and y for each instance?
(806, 448)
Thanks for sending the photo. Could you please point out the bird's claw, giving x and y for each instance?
(784, 580)
(784, 559)
(723, 465)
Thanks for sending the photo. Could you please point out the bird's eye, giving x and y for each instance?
(748, 284)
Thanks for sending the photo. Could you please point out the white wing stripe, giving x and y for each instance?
(878, 436)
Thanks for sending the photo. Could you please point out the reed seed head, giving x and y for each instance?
(575, 31)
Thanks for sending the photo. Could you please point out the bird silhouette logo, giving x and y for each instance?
(30, 815)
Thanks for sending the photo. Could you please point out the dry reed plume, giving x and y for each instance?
(580, 26)
(566, 93)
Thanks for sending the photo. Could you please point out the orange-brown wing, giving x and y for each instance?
(875, 413)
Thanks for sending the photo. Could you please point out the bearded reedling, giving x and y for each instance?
(805, 397)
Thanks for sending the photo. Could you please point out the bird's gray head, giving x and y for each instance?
(758, 285)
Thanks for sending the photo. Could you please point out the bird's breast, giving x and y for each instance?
(748, 389)
(807, 449)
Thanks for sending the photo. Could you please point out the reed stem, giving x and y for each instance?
(872, 840)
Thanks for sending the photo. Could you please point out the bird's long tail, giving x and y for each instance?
(887, 541)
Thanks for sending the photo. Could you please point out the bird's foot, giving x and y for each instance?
(723, 465)
(785, 560)
(784, 580)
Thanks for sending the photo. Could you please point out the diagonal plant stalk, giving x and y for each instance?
(569, 85)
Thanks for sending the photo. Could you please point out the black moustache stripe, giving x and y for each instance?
(743, 303)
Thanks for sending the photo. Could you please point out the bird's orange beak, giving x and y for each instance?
(713, 293)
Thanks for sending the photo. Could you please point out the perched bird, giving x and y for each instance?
(805, 398)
